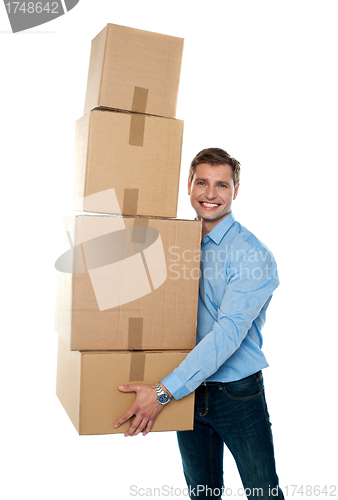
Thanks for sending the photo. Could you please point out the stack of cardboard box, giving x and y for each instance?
(127, 289)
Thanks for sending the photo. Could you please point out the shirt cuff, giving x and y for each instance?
(175, 386)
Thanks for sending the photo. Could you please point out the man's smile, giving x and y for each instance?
(209, 205)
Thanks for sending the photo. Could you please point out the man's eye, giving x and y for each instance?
(201, 183)
(223, 185)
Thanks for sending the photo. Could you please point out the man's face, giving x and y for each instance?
(212, 191)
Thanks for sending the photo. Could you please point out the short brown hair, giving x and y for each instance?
(215, 156)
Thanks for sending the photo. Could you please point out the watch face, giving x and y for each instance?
(163, 399)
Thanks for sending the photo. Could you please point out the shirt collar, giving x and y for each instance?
(217, 233)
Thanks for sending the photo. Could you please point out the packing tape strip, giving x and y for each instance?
(141, 221)
(136, 132)
(140, 99)
(139, 236)
(137, 118)
(130, 201)
(135, 331)
(137, 366)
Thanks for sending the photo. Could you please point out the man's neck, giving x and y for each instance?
(208, 225)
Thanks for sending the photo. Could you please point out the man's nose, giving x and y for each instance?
(210, 192)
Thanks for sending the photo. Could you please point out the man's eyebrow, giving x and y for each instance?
(218, 182)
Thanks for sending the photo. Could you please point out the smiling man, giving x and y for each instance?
(212, 189)
(238, 277)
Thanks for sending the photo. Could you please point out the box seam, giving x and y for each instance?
(103, 62)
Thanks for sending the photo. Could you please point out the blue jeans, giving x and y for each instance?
(236, 414)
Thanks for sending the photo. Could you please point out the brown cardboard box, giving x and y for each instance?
(137, 155)
(134, 70)
(131, 283)
(87, 386)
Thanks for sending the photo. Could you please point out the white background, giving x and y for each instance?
(259, 79)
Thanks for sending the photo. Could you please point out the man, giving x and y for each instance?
(238, 277)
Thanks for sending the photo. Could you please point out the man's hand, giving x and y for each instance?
(145, 409)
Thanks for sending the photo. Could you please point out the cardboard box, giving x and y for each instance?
(137, 155)
(128, 283)
(87, 386)
(134, 70)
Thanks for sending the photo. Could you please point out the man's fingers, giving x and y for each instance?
(128, 388)
(131, 411)
(136, 427)
(145, 409)
(125, 417)
(148, 428)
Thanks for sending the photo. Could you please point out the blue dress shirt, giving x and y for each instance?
(238, 275)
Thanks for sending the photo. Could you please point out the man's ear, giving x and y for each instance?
(189, 187)
(235, 192)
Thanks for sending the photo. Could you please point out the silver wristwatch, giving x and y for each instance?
(162, 396)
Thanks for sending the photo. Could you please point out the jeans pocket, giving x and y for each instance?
(241, 390)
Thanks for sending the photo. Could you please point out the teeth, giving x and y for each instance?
(210, 204)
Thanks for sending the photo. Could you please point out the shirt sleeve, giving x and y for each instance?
(249, 287)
